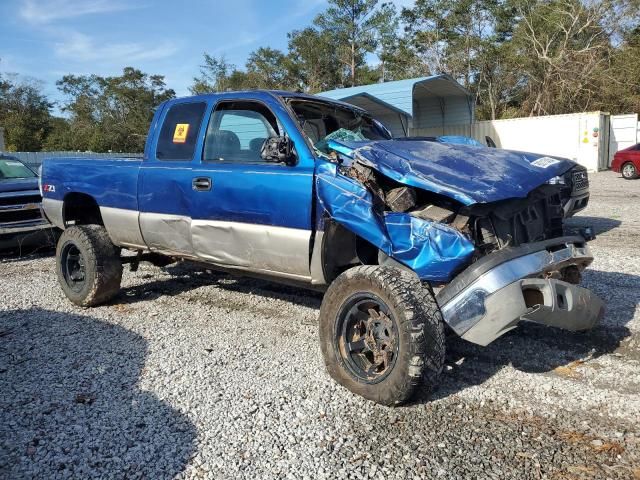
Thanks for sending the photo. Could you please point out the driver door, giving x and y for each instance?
(248, 213)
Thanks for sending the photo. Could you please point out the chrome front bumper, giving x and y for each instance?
(495, 294)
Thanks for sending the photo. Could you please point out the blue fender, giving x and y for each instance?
(434, 251)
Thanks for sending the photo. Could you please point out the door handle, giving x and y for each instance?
(201, 184)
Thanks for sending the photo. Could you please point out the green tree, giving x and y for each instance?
(517, 57)
(110, 113)
(494, 80)
(25, 114)
(351, 24)
(314, 60)
(449, 35)
(265, 68)
(271, 69)
(563, 53)
(214, 75)
(61, 136)
(386, 24)
(404, 62)
(623, 94)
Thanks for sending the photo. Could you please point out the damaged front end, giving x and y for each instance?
(490, 239)
(534, 282)
(433, 250)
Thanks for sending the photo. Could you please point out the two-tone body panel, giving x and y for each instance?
(111, 183)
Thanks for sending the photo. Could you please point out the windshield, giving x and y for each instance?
(10, 168)
(324, 121)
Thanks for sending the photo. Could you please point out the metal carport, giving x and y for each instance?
(408, 106)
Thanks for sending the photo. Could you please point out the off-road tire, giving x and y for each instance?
(420, 331)
(103, 266)
(628, 166)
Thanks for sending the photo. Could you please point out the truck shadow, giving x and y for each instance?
(15, 256)
(72, 407)
(600, 224)
(28, 246)
(187, 276)
(533, 348)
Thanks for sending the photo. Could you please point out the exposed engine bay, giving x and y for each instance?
(491, 226)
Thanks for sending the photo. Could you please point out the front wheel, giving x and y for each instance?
(381, 333)
(88, 265)
(629, 171)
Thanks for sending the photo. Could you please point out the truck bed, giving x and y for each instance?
(113, 182)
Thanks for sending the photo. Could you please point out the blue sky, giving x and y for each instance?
(47, 39)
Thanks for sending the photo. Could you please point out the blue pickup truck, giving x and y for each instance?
(407, 237)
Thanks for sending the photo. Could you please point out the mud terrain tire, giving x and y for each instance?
(395, 305)
(88, 265)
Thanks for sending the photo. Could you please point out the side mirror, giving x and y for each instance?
(278, 150)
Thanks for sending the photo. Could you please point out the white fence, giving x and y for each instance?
(583, 137)
(34, 159)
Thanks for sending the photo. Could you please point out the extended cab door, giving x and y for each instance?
(164, 184)
(246, 212)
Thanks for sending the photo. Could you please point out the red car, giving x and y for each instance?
(627, 162)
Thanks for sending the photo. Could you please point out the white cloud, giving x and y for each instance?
(47, 11)
(82, 48)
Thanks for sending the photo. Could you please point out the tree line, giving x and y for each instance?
(517, 57)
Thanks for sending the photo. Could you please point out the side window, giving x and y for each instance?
(179, 132)
(237, 131)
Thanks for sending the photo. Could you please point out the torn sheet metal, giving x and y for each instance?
(434, 251)
(468, 174)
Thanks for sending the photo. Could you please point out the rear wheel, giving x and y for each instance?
(381, 333)
(88, 265)
(629, 171)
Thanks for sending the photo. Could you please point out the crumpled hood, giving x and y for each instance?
(468, 174)
(18, 184)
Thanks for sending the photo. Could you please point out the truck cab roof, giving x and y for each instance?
(263, 94)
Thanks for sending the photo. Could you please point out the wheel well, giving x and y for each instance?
(342, 249)
(81, 209)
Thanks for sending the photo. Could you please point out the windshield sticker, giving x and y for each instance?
(544, 162)
(180, 133)
(14, 164)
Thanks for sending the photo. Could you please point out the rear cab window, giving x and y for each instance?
(179, 133)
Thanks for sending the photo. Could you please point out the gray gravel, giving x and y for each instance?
(193, 374)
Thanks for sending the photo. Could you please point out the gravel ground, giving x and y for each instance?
(192, 374)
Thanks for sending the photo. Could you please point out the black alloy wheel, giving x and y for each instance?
(367, 337)
(73, 267)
